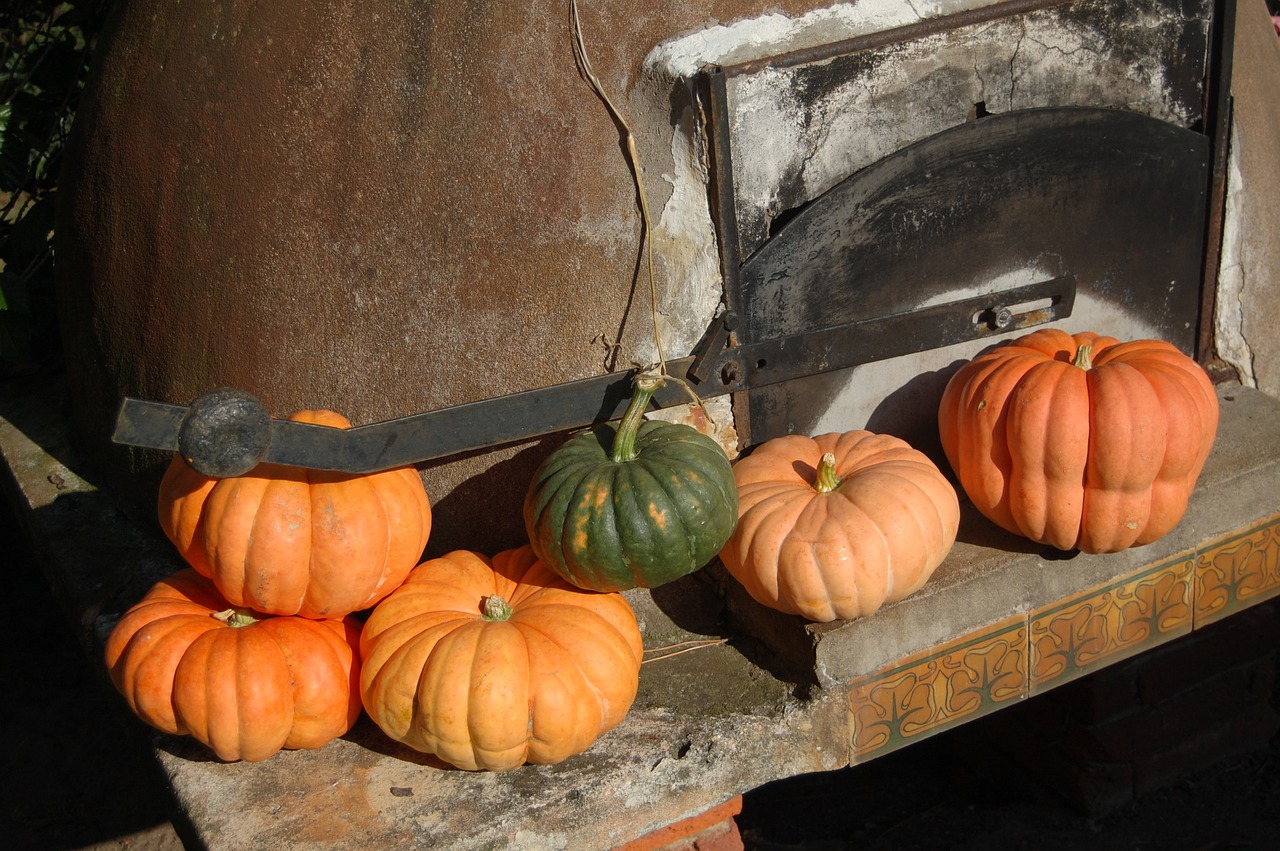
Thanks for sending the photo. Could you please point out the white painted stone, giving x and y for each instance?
(1229, 331)
(1248, 336)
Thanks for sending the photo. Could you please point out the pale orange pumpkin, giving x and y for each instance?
(286, 541)
(833, 527)
(1080, 440)
(245, 684)
(489, 664)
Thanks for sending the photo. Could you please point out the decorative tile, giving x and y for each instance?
(940, 688)
(1237, 571)
(1020, 656)
(1111, 622)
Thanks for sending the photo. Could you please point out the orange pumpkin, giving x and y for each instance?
(244, 684)
(289, 541)
(835, 526)
(1080, 440)
(489, 664)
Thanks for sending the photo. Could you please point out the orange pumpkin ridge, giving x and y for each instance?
(835, 526)
(246, 687)
(1079, 440)
(536, 682)
(287, 541)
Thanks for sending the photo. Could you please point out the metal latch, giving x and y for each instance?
(227, 432)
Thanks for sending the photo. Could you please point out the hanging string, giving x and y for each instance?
(633, 159)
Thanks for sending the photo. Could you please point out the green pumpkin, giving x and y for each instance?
(639, 504)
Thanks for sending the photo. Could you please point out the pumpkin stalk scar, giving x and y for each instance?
(494, 608)
(234, 617)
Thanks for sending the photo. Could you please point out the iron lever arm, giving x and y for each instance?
(226, 432)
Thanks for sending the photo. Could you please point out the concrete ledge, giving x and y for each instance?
(778, 697)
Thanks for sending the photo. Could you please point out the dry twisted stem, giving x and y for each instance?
(684, 647)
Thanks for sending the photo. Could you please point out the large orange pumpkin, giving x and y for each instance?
(286, 541)
(244, 684)
(1080, 440)
(833, 527)
(489, 664)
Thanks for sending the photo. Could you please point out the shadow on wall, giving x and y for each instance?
(496, 493)
(911, 412)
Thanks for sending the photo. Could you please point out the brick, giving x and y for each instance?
(1239, 735)
(713, 830)
(1086, 783)
(1248, 636)
(1208, 705)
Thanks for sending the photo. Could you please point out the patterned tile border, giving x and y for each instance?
(939, 689)
(1111, 622)
(1237, 571)
(1024, 654)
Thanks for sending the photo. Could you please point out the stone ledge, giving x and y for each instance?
(778, 697)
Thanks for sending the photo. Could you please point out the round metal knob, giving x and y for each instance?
(225, 433)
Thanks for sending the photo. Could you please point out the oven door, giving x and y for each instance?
(1114, 199)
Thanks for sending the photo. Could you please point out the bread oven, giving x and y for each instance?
(874, 191)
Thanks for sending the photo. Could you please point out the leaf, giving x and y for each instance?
(45, 46)
(29, 237)
(13, 294)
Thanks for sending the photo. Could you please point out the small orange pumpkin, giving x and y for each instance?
(1080, 440)
(489, 664)
(244, 684)
(833, 527)
(289, 541)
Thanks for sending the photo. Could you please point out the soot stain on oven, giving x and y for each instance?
(969, 160)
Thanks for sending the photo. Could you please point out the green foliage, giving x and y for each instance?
(45, 48)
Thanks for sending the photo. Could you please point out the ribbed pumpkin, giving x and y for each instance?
(244, 684)
(1080, 440)
(289, 541)
(633, 505)
(492, 663)
(834, 526)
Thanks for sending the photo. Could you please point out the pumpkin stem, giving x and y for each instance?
(826, 480)
(624, 442)
(234, 617)
(1084, 358)
(494, 608)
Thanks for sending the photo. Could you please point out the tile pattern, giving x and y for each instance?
(1027, 653)
(1103, 625)
(938, 689)
(1238, 571)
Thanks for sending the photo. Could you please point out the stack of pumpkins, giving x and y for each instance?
(529, 656)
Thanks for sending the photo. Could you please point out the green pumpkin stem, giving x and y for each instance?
(1084, 358)
(234, 617)
(494, 608)
(826, 479)
(624, 442)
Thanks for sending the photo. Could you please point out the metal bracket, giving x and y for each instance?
(226, 432)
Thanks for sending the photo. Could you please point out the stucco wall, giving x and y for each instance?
(1248, 336)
